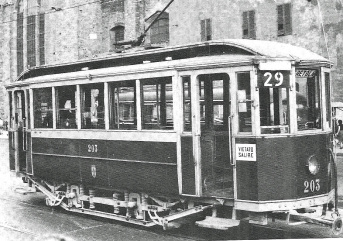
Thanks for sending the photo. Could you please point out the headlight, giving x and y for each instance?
(313, 165)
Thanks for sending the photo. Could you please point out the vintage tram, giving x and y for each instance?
(231, 128)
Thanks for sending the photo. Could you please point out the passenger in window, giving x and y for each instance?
(340, 133)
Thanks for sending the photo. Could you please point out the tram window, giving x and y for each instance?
(42, 106)
(328, 100)
(214, 101)
(92, 111)
(244, 102)
(274, 117)
(157, 104)
(123, 109)
(308, 100)
(187, 109)
(66, 107)
(11, 124)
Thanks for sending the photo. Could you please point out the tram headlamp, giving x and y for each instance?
(313, 165)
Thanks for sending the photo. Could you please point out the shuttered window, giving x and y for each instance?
(20, 46)
(206, 29)
(41, 40)
(160, 30)
(284, 19)
(249, 31)
(31, 41)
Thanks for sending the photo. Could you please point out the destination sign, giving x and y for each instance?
(273, 79)
(305, 73)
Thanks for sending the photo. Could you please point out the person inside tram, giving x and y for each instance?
(339, 134)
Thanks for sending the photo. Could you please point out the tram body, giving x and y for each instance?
(151, 137)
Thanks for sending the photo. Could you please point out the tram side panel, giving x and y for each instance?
(280, 171)
(134, 166)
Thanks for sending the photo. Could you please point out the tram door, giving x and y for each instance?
(19, 157)
(206, 116)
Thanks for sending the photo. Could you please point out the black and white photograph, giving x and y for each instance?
(172, 120)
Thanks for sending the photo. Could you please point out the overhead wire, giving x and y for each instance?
(323, 28)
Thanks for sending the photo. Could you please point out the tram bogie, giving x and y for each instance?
(219, 132)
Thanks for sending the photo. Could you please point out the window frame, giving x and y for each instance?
(159, 32)
(284, 19)
(249, 24)
(206, 29)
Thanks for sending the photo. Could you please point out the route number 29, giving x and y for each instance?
(278, 77)
(312, 186)
(273, 79)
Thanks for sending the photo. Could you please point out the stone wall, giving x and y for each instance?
(308, 21)
(79, 29)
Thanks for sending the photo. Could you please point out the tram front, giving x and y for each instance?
(288, 154)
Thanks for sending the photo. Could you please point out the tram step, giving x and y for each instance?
(217, 223)
(25, 190)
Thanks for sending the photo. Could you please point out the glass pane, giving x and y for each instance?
(42, 106)
(244, 102)
(92, 111)
(66, 107)
(214, 101)
(123, 110)
(157, 108)
(274, 117)
(308, 100)
(328, 99)
(187, 110)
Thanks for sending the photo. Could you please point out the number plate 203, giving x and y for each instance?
(311, 186)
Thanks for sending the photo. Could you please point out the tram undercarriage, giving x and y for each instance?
(148, 211)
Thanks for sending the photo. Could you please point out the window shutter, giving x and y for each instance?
(280, 26)
(203, 30)
(20, 46)
(31, 40)
(252, 32)
(209, 29)
(245, 25)
(288, 19)
(41, 40)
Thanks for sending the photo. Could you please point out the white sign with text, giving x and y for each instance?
(246, 152)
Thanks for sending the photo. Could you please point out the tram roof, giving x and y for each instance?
(253, 49)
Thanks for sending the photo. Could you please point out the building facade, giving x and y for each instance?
(37, 33)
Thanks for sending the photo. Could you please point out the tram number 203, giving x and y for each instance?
(312, 185)
(92, 148)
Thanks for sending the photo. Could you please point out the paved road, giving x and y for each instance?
(25, 217)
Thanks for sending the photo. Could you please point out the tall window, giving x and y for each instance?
(308, 99)
(328, 98)
(41, 40)
(160, 30)
(93, 106)
(206, 29)
(157, 103)
(244, 102)
(187, 107)
(42, 107)
(123, 110)
(66, 107)
(20, 38)
(249, 31)
(31, 40)
(284, 19)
